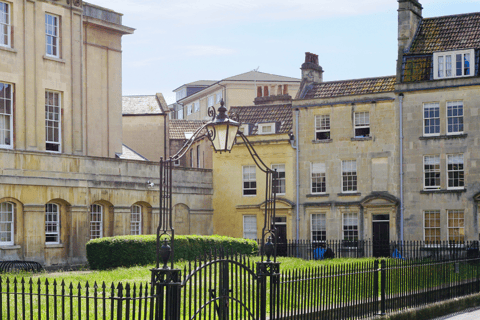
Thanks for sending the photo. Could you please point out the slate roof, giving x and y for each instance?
(130, 154)
(199, 83)
(350, 87)
(253, 115)
(178, 128)
(148, 104)
(260, 76)
(447, 33)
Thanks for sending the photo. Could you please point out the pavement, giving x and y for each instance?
(469, 314)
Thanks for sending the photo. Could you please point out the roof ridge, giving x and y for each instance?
(359, 79)
(452, 15)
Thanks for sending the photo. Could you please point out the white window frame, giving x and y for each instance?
(211, 101)
(6, 125)
(96, 221)
(219, 96)
(350, 174)
(196, 106)
(362, 121)
(52, 222)
(457, 113)
(5, 24)
(431, 160)
(281, 178)
(433, 224)
(244, 129)
(52, 31)
(440, 64)
(429, 118)
(180, 113)
(249, 233)
(136, 220)
(7, 227)
(318, 223)
(262, 126)
(322, 125)
(318, 169)
(249, 176)
(456, 159)
(53, 117)
(350, 220)
(189, 109)
(459, 225)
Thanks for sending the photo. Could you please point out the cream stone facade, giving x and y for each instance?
(439, 96)
(64, 179)
(348, 157)
(239, 209)
(239, 90)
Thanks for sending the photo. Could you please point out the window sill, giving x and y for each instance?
(322, 141)
(54, 245)
(317, 195)
(10, 247)
(45, 57)
(351, 194)
(443, 191)
(8, 49)
(444, 136)
(362, 139)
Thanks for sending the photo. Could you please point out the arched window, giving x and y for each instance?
(96, 221)
(52, 223)
(136, 220)
(6, 223)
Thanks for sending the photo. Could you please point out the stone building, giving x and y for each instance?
(145, 125)
(64, 177)
(348, 157)
(438, 92)
(395, 157)
(239, 209)
(239, 90)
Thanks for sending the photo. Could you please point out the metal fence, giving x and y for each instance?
(444, 250)
(232, 287)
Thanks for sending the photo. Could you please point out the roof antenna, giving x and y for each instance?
(256, 70)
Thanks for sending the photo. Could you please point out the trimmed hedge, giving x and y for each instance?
(127, 251)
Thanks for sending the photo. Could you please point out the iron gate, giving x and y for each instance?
(218, 286)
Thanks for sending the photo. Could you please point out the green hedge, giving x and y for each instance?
(127, 251)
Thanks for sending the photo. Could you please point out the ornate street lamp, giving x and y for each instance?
(222, 132)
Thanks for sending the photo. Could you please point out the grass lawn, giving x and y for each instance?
(142, 274)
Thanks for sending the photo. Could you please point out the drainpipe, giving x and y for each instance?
(401, 166)
(297, 149)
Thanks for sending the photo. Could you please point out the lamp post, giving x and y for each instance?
(222, 132)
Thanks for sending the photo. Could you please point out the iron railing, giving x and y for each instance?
(409, 250)
(225, 287)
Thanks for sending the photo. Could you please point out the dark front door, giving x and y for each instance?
(381, 235)
(282, 245)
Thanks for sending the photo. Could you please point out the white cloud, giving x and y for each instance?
(204, 12)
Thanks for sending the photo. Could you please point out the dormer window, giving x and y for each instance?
(266, 128)
(244, 129)
(453, 64)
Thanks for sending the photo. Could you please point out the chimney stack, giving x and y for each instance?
(311, 70)
(409, 17)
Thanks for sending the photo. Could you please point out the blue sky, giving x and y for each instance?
(180, 41)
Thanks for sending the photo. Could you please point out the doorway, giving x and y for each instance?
(282, 244)
(381, 235)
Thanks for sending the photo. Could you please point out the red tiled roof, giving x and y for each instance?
(447, 33)
(350, 87)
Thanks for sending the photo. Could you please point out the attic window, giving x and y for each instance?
(454, 64)
(266, 128)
